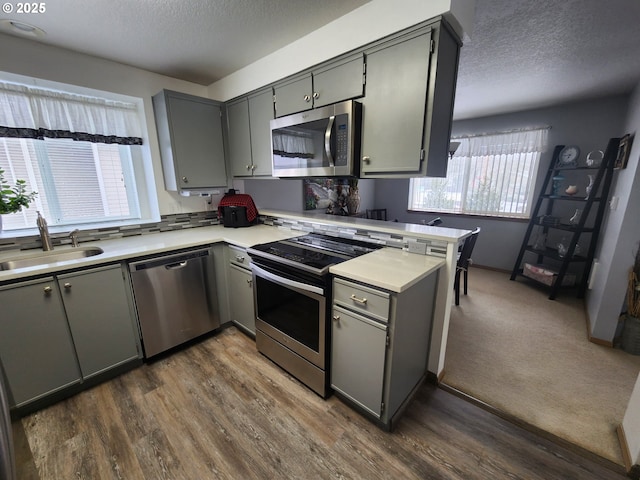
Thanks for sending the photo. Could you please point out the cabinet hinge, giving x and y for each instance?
(388, 340)
(432, 46)
(422, 154)
(381, 408)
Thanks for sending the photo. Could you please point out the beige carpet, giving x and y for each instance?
(528, 356)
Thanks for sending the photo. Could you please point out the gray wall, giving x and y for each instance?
(620, 238)
(586, 124)
(286, 194)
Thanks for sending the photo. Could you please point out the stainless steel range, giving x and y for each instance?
(292, 296)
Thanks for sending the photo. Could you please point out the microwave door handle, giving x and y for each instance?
(327, 140)
(286, 281)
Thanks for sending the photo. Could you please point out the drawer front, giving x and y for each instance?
(358, 298)
(238, 256)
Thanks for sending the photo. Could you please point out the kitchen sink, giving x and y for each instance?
(44, 258)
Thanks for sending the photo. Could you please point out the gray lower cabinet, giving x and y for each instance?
(191, 141)
(249, 134)
(333, 82)
(103, 330)
(380, 345)
(35, 345)
(60, 331)
(360, 343)
(408, 106)
(240, 290)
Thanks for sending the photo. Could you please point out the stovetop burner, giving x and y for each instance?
(312, 252)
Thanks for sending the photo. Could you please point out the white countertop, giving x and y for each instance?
(155, 243)
(390, 268)
(410, 229)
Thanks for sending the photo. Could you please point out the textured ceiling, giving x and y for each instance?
(522, 53)
(525, 54)
(196, 40)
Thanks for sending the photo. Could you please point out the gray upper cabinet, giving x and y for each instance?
(249, 134)
(101, 322)
(339, 81)
(35, 345)
(191, 142)
(260, 113)
(239, 138)
(332, 82)
(408, 105)
(294, 95)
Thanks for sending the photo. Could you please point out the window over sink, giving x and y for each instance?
(81, 150)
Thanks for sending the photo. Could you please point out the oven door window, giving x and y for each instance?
(295, 314)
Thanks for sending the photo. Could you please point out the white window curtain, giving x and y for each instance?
(47, 111)
(488, 175)
(507, 143)
(293, 145)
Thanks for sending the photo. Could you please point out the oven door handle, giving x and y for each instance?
(286, 281)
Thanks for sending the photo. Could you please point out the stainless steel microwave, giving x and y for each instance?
(323, 142)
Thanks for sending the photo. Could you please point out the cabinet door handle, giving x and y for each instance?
(250, 282)
(185, 180)
(362, 301)
(336, 318)
(239, 258)
(253, 167)
(248, 167)
(366, 159)
(47, 289)
(307, 98)
(67, 285)
(316, 95)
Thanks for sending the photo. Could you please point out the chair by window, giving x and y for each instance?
(377, 214)
(464, 260)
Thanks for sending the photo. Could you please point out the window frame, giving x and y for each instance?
(498, 152)
(141, 161)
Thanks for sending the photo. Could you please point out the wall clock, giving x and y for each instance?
(568, 157)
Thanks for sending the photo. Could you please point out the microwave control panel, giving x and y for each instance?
(342, 140)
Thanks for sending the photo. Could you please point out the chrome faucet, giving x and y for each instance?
(44, 233)
(74, 237)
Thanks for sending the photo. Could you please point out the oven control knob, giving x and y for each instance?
(336, 318)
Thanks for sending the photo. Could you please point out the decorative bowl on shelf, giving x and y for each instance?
(571, 190)
(594, 158)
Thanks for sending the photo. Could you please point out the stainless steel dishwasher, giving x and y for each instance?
(175, 297)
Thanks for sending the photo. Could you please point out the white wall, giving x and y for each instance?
(620, 240)
(27, 57)
(366, 24)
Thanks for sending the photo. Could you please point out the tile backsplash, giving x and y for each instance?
(167, 223)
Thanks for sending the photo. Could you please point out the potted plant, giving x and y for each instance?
(12, 199)
(631, 332)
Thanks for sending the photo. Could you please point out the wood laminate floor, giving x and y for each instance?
(220, 410)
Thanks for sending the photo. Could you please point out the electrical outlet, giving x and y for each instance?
(416, 247)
